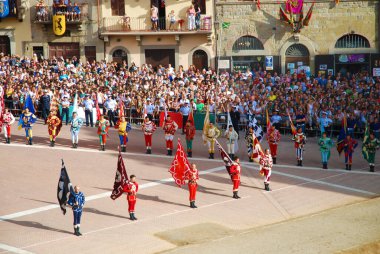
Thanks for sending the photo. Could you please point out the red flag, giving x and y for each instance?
(258, 4)
(257, 151)
(121, 178)
(308, 16)
(180, 166)
(268, 121)
(227, 160)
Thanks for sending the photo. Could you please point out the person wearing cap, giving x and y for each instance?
(212, 134)
(123, 129)
(75, 125)
(273, 137)
(88, 107)
(325, 144)
(370, 145)
(192, 177)
(111, 107)
(266, 163)
(185, 111)
(325, 124)
(148, 127)
(103, 126)
(169, 128)
(45, 105)
(54, 123)
(8, 120)
(231, 135)
(299, 142)
(65, 104)
(349, 145)
(150, 109)
(190, 133)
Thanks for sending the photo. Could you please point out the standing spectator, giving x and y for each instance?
(45, 105)
(197, 17)
(191, 18)
(110, 107)
(154, 17)
(88, 107)
(300, 120)
(65, 109)
(185, 111)
(325, 124)
(172, 19)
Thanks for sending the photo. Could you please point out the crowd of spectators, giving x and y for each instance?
(312, 102)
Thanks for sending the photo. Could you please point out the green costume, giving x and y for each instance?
(325, 145)
(369, 150)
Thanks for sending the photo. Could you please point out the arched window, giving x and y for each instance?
(297, 50)
(350, 41)
(247, 43)
(200, 59)
(119, 56)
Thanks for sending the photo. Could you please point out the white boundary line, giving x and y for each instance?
(100, 195)
(309, 180)
(356, 171)
(13, 249)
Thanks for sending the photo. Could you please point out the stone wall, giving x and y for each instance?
(328, 23)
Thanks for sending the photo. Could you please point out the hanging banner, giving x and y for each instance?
(4, 8)
(59, 24)
(269, 63)
(294, 6)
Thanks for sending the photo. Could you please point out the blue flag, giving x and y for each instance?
(29, 105)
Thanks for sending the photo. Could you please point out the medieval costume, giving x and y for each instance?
(170, 128)
(148, 127)
(131, 189)
(273, 137)
(123, 129)
(103, 127)
(232, 137)
(75, 125)
(190, 133)
(349, 148)
(299, 142)
(212, 134)
(325, 145)
(53, 122)
(8, 120)
(266, 163)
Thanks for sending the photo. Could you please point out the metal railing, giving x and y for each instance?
(45, 14)
(130, 24)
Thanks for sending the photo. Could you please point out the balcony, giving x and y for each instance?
(44, 15)
(143, 26)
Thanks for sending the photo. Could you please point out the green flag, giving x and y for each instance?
(365, 140)
(226, 25)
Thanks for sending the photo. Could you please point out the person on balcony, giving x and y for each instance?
(76, 12)
(191, 17)
(172, 20)
(154, 17)
(41, 11)
(197, 17)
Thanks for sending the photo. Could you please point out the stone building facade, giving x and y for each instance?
(340, 37)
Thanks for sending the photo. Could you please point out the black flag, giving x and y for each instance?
(64, 188)
(121, 178)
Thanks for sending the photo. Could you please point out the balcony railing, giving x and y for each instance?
(74, 14)
(127, 24)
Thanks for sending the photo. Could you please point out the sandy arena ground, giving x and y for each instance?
(310, 210)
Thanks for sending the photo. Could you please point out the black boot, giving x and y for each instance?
(134, 217)
(168, 152)
(324, 165)
(124, 149)
(9, 140)
(300, 163)
(371, 168)
(266, 186)
(188, 154)
(191, 154)
(149, 151)
(53, 143)
(131, 216)
(30, 141)
(346, 166)
(209, 156)
(349, 167)
(232, 156)
(73, 145)
(236, 196)
(78, 231)
(194, 206)
(212, 155)
(250, 159)
(76, 145)
(274, 160)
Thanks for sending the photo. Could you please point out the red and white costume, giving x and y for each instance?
(170, 128)
(148, 128)
(235, 171)
(192, 177)
(266, 163)
(131, 190)
(273, 137)
(8, 120)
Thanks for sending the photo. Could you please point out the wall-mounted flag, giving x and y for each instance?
(59, 24)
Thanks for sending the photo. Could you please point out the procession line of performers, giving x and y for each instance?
(170, 127)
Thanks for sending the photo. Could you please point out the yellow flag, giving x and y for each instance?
(206, 125)
(59, 24)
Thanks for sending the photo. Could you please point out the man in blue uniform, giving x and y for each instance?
(45, 105)
(76, 201)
